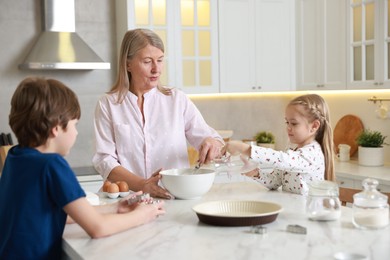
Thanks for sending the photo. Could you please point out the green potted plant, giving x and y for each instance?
(370, 151)
(265, 139)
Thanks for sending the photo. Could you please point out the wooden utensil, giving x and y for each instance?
(346, 131)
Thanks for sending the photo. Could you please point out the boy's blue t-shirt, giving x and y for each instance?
(34, 188)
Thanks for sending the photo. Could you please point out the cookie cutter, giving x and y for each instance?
(139, 198)
(259, 230)
(142, 198)
(297, 229)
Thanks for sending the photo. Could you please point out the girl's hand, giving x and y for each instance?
(253, 174)
(238, 147)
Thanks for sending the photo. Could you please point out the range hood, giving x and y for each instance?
(59, 47)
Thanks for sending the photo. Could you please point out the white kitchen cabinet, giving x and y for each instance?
(368, 44)
(92, 183)
(321, 44)
(346, 183)
(383, 188)
(189, 30)
(355, 183)
(91, 186)
(256, 41)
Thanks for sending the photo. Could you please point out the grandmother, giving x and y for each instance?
(142, 127)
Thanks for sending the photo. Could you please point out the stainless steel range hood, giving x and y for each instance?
(59, 47)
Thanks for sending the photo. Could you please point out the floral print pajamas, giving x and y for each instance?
(293, 169)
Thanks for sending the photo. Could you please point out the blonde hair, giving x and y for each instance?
(316, 108)
(133, 41)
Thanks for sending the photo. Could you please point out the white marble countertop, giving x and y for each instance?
(352, 169)
(180, 235)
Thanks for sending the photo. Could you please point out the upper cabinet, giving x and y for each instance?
(189, 30)
(235, 46)
(321, 44)
(368, 51)
(256, 44)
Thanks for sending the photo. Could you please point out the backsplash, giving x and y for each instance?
(246, 115)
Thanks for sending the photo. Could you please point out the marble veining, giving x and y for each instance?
(180, 235)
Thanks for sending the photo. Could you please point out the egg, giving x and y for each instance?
(113, 188)
(123, 186)
(106, 185)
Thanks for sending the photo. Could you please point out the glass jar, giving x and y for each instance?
(370, 207)
(323, 203)
(234, 164)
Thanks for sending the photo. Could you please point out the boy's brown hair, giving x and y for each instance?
(37, 106)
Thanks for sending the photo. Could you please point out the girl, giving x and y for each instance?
(309, 128)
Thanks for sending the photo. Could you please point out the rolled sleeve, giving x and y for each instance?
(105, 158)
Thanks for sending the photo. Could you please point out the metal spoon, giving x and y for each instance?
(196, 168)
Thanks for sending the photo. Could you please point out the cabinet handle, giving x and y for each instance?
(342, 182)
(320, 85)
(254, 87)
(259, 87)
(376, 83)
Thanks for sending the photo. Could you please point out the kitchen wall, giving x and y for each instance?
(248, 114)
(20, 25)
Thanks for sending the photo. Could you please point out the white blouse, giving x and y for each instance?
(293, 169)
(122, 138)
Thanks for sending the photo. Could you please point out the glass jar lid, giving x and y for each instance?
(323, 188)
(370, 196)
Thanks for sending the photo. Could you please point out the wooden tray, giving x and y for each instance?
(346, 131)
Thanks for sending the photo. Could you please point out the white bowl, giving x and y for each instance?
(187, 184)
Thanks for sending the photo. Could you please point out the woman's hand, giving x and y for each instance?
(151, 186)
(209, 150)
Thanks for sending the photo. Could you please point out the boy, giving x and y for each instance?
(38, 189)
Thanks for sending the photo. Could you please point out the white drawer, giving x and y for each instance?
(345, 182)
(383, 188)
(92, 186)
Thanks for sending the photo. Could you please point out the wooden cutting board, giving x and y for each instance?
(346, 131)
